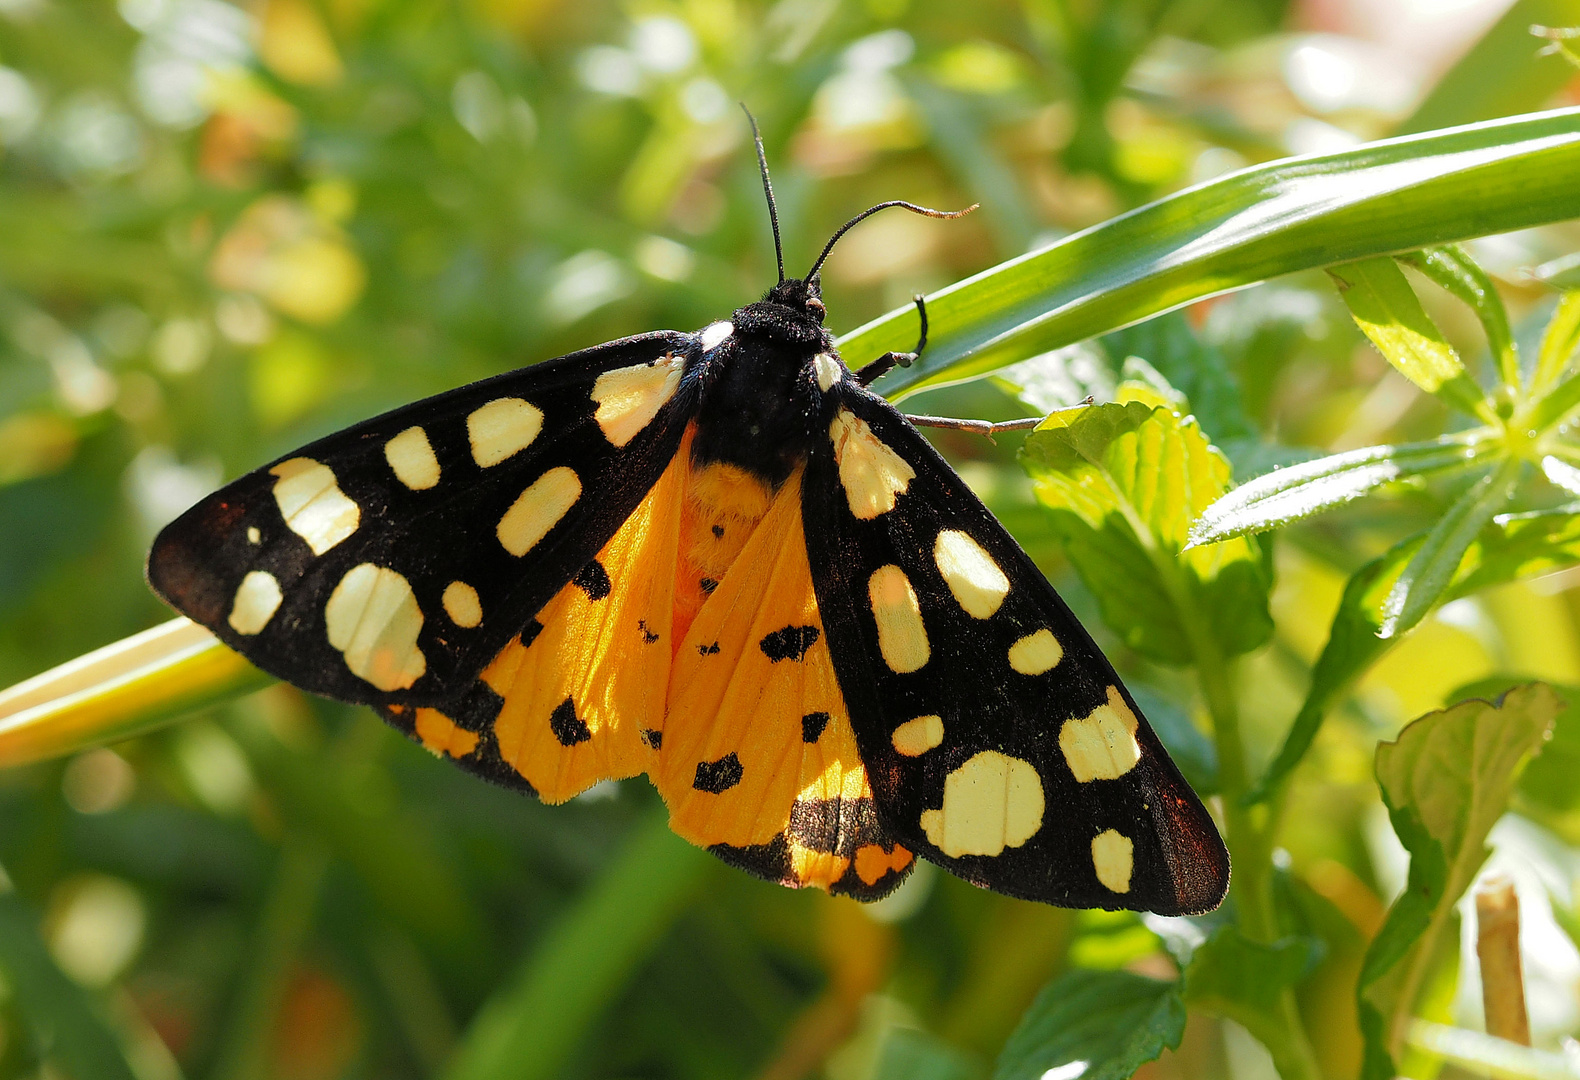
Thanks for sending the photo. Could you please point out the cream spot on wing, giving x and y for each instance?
(902, 638)
(253, 535)
(373, 618)
(1101, 745)
(257, 598)
(501, 429)
(411, 456)
(628, 398)
(872, 475)
(1036, 653)
(538, 509)
(462, 605)
(992, 802)
(827, 369)
(312, 503)
(713, 334)
(975, 579)
(1113, 859)
(915, 737)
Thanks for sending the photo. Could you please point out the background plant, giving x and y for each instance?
(227, 231)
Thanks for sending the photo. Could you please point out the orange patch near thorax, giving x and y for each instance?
(723, 506)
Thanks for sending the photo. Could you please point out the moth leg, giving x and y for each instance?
(886, 363)
(990, 428)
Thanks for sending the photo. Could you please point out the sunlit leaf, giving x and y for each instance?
(1249, 226)
(121, 690)
(1446, 780)
(1352, 647)
(1561, 473)
(1513, 547)
(1450, 267)
(1124, 482)
(1288, 495)
(1094, 1025)
(1435, 563)
(1388, 312)
(1549, 779)
(1559, 342)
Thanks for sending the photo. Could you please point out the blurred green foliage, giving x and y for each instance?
(225, 230)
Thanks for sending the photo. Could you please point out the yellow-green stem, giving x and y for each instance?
(1249, 828)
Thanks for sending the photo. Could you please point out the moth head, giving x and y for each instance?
(803, 296)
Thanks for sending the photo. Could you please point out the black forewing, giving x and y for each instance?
(432, 537)
(1179, 862)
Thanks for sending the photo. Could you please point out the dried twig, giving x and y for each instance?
(1498, 948)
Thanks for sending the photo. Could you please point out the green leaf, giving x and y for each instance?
(1503, 73)
(1288, 495)
(1352, 647)
(1513, 547)
(124, 689)
(67, 1024)
(1453, 269)
(1388, 312)
(1193, 367)
(1549, 780)
(1246, 227)
(908, 1054)
(1112, 1021)
(1559, 342)
(1549, 411)
(1521, 546)
(1445, 781)
(535, 1020)
(1232, 976)
(1124, 482)
(1436, 562)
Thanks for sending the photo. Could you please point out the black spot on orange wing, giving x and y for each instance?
(593, 580)
(709, 650)
(717, 777)
(718, 532)
(789, 642)
(648, 637)
(530, 634)
(812, 725)
(568, 728)
(653, 737)
(707, 585)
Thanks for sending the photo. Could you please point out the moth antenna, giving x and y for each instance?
(768, 190)
(867, 213)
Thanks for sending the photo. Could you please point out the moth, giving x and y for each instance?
(719, 559)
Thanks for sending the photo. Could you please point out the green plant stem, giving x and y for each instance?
(1249, 828)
